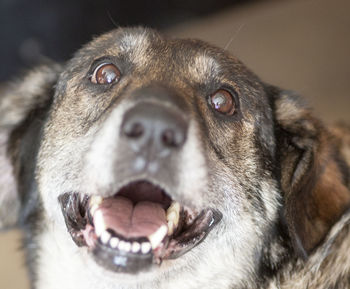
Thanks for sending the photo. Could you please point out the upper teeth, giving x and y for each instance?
(173, 216)
(95, 200)
(93, 209)
(157, 237)
(114, 242)
(145, 247)
(124, 246)
(99, 223)
(105, 236)
(135, 247)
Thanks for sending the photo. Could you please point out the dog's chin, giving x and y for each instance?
(136, 228)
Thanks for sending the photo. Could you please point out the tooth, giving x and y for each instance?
(173, 213)
(127, 246)
(93, 209)
(135, 247)
(173, 217)
(124, 246)
(157, 237)
(105, 236)
(114, 242)
(95, 200)
(121, 245)
(171, 228)
(145, 247)
(100, 226)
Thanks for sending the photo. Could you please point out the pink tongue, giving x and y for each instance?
(129, 220)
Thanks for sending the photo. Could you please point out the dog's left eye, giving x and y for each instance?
(105, 73)
(223, 101)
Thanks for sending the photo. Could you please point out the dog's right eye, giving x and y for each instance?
(105, 73)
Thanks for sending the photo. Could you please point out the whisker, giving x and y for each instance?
(234, 36)
(112, 20)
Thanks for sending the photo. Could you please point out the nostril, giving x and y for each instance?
(134, 130)
(168, 138)
(172, 139)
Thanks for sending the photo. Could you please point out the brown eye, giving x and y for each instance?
(222, 101)
(105, 73)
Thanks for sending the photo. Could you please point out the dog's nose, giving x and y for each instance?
(154, 127)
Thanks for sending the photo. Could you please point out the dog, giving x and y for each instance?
(152, 162)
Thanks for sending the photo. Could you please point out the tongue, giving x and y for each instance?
(132, 220)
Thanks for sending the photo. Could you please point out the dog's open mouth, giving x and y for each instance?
(139, 226)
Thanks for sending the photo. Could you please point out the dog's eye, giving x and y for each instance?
(223, 102)
(105, 73)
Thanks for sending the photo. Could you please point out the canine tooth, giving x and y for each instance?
(135, 247)
(114, 242)
(95, 200)
(171, 228)
(100, 226)
(173, 213)
(93, 209)
(158, 236)
(173, 217)
(145, 247)
(105, 236)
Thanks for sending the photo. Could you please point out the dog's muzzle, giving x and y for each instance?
(142, 223)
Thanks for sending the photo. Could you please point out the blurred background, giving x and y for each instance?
(302, 45)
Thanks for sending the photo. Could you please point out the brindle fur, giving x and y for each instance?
(278, 175)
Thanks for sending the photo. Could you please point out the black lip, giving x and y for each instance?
(194, 234)
(76, 217)
(74, 214)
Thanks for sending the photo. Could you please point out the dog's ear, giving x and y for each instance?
(17, 100)
(313, 172)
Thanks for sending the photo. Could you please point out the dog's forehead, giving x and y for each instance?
(135, 44)
(193, 58)
(144, 47)
(203, 66)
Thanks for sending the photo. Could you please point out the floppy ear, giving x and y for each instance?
(314, 173)
(17, 101)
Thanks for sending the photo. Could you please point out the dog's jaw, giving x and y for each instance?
(67, 272)
(98, 224)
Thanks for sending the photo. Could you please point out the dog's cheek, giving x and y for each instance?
(9, 200)
(60, 169)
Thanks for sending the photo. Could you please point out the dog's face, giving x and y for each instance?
(159, 158)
